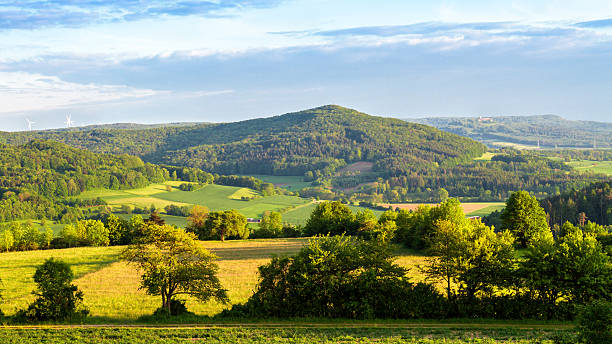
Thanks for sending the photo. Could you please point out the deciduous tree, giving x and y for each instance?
(173, 263)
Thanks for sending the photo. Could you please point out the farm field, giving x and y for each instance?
(470, 209)
(330, 333)
(604, 167)
(215, 197)
(292, 183)
(110, 287)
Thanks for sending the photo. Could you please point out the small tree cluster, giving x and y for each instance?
(24, 236)
(220, 225)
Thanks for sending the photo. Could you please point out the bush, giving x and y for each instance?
(177, 307)
(595, 323)
(57, 299)
(339, 277)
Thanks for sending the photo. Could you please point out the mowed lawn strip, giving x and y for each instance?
(296, 334)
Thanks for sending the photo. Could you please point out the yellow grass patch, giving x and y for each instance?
(144, 201)
(243, 192)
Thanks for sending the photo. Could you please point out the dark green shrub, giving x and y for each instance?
(177, 307)
(595, 323)
(339, 277)
(57, 298)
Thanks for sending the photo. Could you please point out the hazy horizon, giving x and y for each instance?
(227, 60)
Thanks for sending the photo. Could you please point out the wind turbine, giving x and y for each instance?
(69, 122)
(29, 123)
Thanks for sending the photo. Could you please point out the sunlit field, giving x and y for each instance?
(110, 287)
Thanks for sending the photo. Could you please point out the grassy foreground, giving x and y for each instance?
(456, 335)
(110, 287)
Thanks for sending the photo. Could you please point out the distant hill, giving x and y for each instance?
(340, 152)
(318, 140)
(548, 131)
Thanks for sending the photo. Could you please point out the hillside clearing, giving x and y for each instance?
(357, 167)
(604, 167)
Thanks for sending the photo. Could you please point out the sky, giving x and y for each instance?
(108, 61)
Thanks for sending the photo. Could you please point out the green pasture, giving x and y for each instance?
(292, 183)
(603, 167)
(220, 197)
(215, 197)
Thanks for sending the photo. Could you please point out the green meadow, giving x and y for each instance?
(215, 197)
(603, 167)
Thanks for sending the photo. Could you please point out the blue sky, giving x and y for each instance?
(224, 60)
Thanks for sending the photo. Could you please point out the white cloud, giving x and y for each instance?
(21, 91)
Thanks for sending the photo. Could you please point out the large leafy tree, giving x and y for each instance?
(197, 217)
(524, 217)
(470, 257)
(332, 218)
(271, 225)
(173, 263)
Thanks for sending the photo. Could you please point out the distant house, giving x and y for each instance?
(252, 220)
(485, 119)
(473, 217)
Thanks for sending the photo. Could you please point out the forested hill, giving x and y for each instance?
(36, 177)
(550, 131)
(316, 141)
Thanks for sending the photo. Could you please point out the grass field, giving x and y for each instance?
(110, 287)
(292, 183)
(215, 197)
(300, 334)
(604, 167)
(219, 197)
